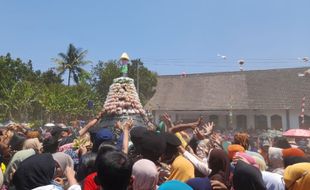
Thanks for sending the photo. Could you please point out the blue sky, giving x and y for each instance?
(170, 36)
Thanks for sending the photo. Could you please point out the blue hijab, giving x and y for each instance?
(174, 185)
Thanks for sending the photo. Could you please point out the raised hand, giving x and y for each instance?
(198, 134)
(167, 120)
(118, 125)
(217, 185)
(128, 124)
(208, 127)
(100, 114)
(198, 123)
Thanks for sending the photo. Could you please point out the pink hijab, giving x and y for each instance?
(145, 175)
(247, 158)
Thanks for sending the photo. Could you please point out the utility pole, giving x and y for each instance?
(138, 87)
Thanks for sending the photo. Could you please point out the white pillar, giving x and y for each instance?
(250, 120)
(268, 121)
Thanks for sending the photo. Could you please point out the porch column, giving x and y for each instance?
(287, 119)
(268, 121)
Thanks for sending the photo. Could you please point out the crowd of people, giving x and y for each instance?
(182, 156)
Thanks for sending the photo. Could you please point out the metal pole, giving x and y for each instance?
(138, 89)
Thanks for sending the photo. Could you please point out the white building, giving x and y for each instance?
(246, 99)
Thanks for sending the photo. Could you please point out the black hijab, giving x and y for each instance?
(220, 165)
(247, 177)
(291, 160)
(35, 171)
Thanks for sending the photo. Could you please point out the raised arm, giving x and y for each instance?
(91, 123)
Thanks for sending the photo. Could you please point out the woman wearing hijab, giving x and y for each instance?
(246, 158)
(247, 177)
(233, 148)
(62, 162)
(259, 159)
(293, 152)
(219, 164)
(174, 185)
(40, 170)
(14, 164)
(297, 176)
(145, 175)
(290, 160)
(33, 143)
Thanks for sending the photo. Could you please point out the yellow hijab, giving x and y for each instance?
(297, 176)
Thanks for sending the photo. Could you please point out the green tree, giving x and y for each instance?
(18, 102)
(147, 80)
(50, 77)
(63, 103)
(72, 61)
(105, 72)
(103, 75)
(14, 70)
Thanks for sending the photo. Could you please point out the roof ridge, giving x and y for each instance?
(234, 72)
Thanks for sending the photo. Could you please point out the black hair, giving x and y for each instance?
(96, 145)
(281, 142)
(291, 160)
(86, 165)
(17, 141)
(50, 145)
(113, 171)
(102, 150)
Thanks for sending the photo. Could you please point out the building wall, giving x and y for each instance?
(223, 116)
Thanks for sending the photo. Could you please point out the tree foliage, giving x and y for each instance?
(65, 103)
(14, 70)
(18, 102)
(72, 61)
(28, 95)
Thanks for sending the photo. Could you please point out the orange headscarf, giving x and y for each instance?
(233, 149)
(292, 152)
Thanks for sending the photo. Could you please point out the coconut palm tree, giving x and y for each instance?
(72, 62)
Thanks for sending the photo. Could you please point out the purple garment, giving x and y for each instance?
(199, 183)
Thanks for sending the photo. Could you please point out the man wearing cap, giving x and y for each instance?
(181, 168)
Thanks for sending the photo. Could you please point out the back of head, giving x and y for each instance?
(35, 171)
(200, 183)
(242, 139)
(247, 177)
(293, 152)
(33, 143)
(233, 149)
(281, 142)
(17, 141)
(50, 145)
(174, 185)
(145, 175)
(219, 163)
(104, 149)
(291, 160)
(63, 160)
(86, 165)
(172, 143)
(104, 135)
(113, 171)
(297, 176)
(152, 145)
